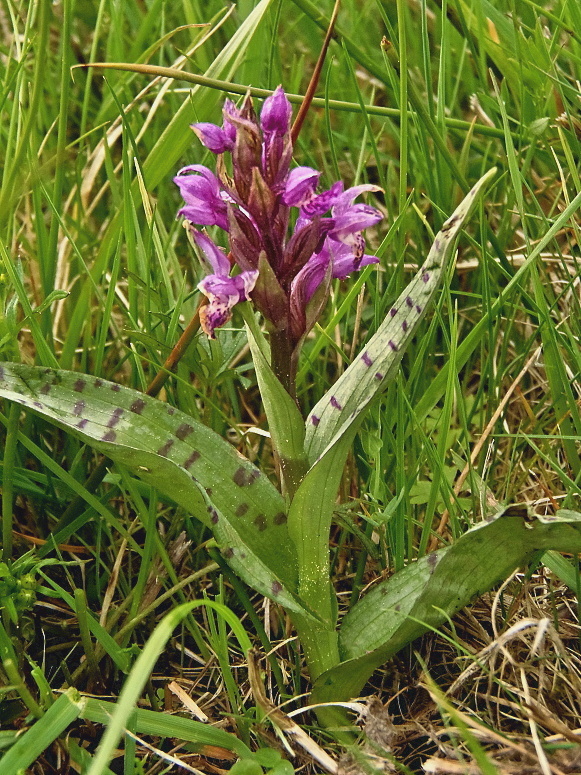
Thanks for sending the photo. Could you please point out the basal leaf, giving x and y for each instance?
(376, 365)
(184, 459)
(425, 593)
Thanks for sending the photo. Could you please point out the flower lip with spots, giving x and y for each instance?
(285, 271)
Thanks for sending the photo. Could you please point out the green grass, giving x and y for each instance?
(97, 276)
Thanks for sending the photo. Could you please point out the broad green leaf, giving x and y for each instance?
(309, 521)
(170, 450)
(43, 733)
(427, 592)
(285, 421)
(252, 567)
(377, 364)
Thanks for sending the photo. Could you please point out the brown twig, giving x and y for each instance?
(314, 82)
(175, 355)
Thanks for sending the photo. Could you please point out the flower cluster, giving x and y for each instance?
(287, 275)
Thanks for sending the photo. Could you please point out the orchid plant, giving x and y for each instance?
(285, 244)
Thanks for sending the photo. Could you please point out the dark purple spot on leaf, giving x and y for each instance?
(115, 417)
(137, 406)
(280, 518)
(393, 345)
(213, 516)
(37, 404)
(418, 309)
(109, 436)
(227, 553)
(171, 410)
(192, 459)
(183, 431)
(397, 607)
(315, 420)
(242, 509)
(98, 383)
(45, 389)
(409, 301)
(276, 588)
(2, 373)
(404, 325)
(243, 478)
(79, 385)
(164, 451)
(115, 388)
(393, 312)
(239, 477)
(78, 408)
(334, 403)
(432, 561)
(260, 522)
(81, 424)
(208, 491)
(366, 359)
(425, 277)
(379, 375)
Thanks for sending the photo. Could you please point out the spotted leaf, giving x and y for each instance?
(377, 364)
(427, 592)
(185, 460)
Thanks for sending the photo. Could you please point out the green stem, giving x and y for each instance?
(9, 663)
(320, 646)
(284, 360)
(8, 481)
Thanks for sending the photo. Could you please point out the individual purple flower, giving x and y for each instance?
(287, 274)
(300, 186)
(352, 221)
(213, 137)
(343, 260)
(221, 290)
(202, 194)
(276, 113)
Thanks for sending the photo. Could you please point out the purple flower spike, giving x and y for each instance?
(215, 139)
(321, 204)
(310, 277)
(276, 113)
(288, 272)
(230, 114)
